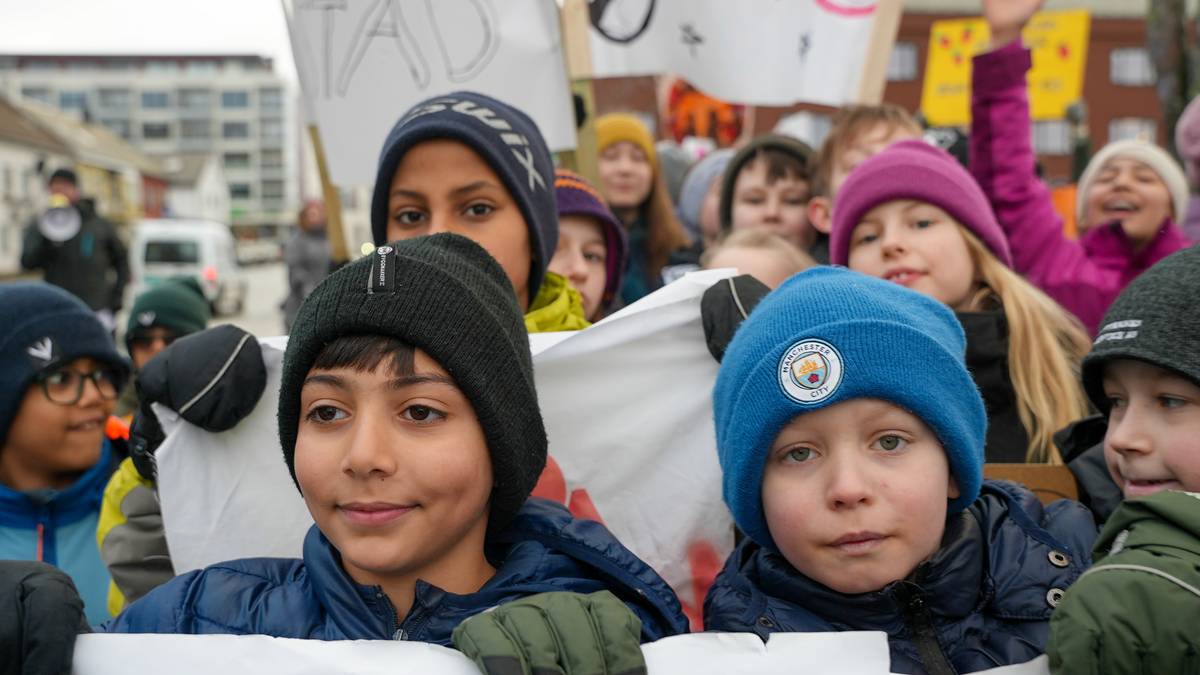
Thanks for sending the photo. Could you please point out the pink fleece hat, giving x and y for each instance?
(913, 169)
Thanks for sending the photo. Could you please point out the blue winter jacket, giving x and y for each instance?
(983, 600)
(59, 527)
(545, 549)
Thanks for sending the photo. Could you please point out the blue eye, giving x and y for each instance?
(891, 443)
(798, 455)
(1171, 402)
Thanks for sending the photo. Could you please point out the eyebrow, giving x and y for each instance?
(410, 380)
(456, 192)
(331, 380)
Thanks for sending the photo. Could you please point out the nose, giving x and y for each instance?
(893, 241)
(772, 208)
(91, 393)
(848, 486)
(1128, 433)
(576, 267)
(372, 451)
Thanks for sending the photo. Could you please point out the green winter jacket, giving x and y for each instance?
(1137, 610)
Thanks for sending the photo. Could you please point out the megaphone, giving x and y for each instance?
(60, 221)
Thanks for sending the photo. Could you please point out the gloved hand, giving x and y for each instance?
(724, 307)
(40, 615)
(555, 634)
(213, 379)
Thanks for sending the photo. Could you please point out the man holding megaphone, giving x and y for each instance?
(77, 249)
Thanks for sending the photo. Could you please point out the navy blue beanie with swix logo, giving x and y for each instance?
(506, 138)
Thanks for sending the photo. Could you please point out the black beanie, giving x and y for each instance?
(176, 304)
(506, 138)
(1153, 320)
(785, 144)
(442, 294)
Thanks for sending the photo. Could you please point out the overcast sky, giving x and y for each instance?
(147, 26)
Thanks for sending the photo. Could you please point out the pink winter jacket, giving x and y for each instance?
(1083, 276)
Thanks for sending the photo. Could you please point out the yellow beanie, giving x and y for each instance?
(617, 127)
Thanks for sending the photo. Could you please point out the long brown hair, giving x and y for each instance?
(1046, 345)
(665, 233)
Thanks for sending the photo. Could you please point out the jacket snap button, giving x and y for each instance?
(765, 622)
(1059, 559)
(1054, 596)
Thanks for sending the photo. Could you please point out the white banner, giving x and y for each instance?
(698, 654)
(759, 52)
(362, 63)
(627, 407)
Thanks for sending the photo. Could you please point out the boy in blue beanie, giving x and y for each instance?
(851, 435)
(59, 378)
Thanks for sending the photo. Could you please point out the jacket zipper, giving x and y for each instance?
(41, 542)
(920, 625)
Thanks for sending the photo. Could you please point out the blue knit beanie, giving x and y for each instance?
(506, 138)
(829, 335)
(696, 185)
(45, 327)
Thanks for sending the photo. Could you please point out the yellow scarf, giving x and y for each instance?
(557, 307)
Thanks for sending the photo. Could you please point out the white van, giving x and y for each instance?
(203, 249)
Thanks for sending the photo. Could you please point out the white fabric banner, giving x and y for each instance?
(698, 654)
(759, 52)
(627, 408)
(362, 63)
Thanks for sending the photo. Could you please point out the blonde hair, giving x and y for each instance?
(850, 122)
(763, 239)
(1046, 345)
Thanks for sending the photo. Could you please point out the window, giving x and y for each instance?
(271, 129)
(118, 127)
(237, 160)
(155, 99)
(157, 66)
(1130, 67)
(235, 130)
(235, 99)
(40, 64)
(270, 99)
(36, 93)
(902, 65)
(72, 100)
(155, 131)
(172, 252)
(1123, 128)
(115, 98)
(239, 190)
(272, 159)
(272, 189)
(1052, 137)
(196, 129)
(195, 99)
(201, 67)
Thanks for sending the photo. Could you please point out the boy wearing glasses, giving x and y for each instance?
(59, 379)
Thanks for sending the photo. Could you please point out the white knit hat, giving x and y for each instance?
(1147, 153)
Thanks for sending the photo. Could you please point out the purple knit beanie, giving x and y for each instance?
(913, 169)
(577, 197)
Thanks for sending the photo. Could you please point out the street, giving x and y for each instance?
(266, 284)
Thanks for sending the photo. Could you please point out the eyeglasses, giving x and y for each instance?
(147, 340)
(65, 387)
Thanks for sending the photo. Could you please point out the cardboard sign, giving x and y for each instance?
(1058, 41)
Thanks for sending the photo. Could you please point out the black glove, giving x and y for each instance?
(724, 307)
(213, 379)
(40, 615)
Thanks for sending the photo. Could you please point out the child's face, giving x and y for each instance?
(1153, 439)
(581, 257)
(148, 343)
(917, 245)
(626, 175)
(867, 144)
(444, 186)
(764, 264)
(395, 470)
(50, 443)
(1131, 192)
(855, 494)
(780, 206)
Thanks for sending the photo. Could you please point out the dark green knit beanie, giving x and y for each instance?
(445, 295)
(1155, 320)
(177, 304)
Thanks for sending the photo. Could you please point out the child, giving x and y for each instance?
(591, 244)
(700, 198)
(634, 187)
(470, 164)
(767, 184)
(410, 424)
(760, 253)
(61, 374)
(1128, 197)
(1136, 610)
(856, 477)
(914, 216)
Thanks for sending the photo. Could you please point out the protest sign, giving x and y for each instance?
(362, 63)
(1058, 41)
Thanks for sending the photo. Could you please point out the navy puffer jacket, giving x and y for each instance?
(983, 600)
(544, 550)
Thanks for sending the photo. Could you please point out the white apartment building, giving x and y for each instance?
(231, 105)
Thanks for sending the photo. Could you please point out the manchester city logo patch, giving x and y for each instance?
(810, 371)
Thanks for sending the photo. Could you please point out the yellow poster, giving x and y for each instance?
(1058, 41)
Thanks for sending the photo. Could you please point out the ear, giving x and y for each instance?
(952, 490)
(820, 214)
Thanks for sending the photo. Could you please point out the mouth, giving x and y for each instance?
(858, 543)
(87, 425)
(904, 276)
(1142, 487)
(1119, 207)
(374, 514)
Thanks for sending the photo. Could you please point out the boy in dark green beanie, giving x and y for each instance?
(160, 316)
(1137, 609)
